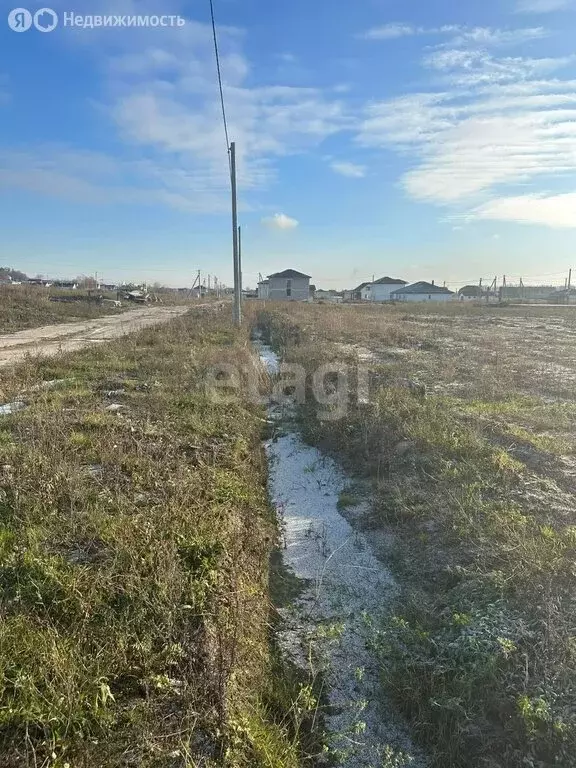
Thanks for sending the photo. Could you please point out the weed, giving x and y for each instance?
(134, 550)
(480, 653)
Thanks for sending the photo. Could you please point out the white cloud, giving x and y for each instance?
(288, 58)
(497, 122)
(352, 170)
(542, 6)
(558, 211)
(489, 37)
(390, 32)
(99, 179)
(162, 98)
(459, 35)
(280, 221)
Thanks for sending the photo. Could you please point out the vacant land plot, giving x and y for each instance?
(30, 307)
(135, 534)
(468, 439)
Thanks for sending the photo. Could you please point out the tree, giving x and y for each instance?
(15, 274)
(86, 281)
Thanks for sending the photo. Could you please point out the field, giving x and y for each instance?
(468, 444)
(135, 537)
(24, 307)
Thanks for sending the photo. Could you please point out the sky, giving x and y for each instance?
(422, 139)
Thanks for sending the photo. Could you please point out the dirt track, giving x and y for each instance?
(67, 337)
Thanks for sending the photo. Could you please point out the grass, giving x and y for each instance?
(479, 652)
(134, 551)
(23, 307)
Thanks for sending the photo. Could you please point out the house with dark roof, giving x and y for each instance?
(381, 289)
(422, 291)
(470, 293)
(355, 294)
(289, 285)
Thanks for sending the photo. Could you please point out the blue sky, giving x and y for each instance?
(419, 139)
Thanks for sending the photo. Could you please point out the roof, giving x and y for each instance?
(263, 282)
(470, 290)
(389, 281)
(289, 273)
(359, 287)
(423, 287)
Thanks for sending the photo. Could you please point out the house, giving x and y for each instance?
(422, 291)
(289, 285)
(380, 290)
(471, 293)
(355, 294)
(563, 296)
(525, 292)
(263, 288)
(332, 296)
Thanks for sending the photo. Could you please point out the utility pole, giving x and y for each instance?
(240, 261)
(493, 288)
(237, 287)
(569, 278)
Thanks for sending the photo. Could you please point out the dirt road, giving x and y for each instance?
(67, 337)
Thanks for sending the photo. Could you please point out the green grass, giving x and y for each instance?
(134, 550)
(479, 652)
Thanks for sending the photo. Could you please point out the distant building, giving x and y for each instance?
(69, 285)
(381, 289)
(422, 291)
(263, 289)
(289, 285)
(355, 294)
(526, 292)
(471, 293)
(563, 296)
(332, 296)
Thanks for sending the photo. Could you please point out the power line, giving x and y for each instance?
(215, 36)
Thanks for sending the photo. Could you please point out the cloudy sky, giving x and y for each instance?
(419, 139)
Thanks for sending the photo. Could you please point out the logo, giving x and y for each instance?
(19, 20)
(45, 20)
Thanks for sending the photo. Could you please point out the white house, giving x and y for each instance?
(355, 294)
(263, 287)
(289, 285)
(470, 293)
(380, 290)
(422, 291)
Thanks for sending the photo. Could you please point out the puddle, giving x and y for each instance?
(326, 631)
(9, 408)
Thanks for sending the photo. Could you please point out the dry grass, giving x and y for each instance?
(134, 548)
(24, 307)
(474, 486)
